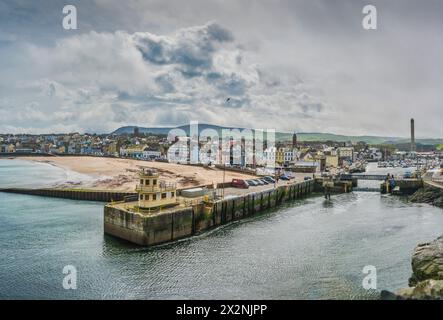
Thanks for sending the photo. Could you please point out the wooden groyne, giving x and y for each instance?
(74, 194)
(181, 222)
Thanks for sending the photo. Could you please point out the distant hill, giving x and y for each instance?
(165, 130)
(286, 136)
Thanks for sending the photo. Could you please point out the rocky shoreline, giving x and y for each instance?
(433, 196)
(426, 281)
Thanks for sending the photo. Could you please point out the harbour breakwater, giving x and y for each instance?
(89, 194)
(74, 194)
(183, 220)
(149, 229)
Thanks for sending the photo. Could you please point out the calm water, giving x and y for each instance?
(30, 174)
(311, 249)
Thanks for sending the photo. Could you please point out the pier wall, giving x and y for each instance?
(150, 230)
(74, 194)
(84, 194)
(406, 186)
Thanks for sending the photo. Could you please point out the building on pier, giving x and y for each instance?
(155, 193)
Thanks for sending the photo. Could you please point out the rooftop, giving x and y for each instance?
(149, 172)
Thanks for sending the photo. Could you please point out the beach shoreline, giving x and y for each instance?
(102, 173)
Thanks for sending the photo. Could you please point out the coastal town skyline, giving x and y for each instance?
(163, 65)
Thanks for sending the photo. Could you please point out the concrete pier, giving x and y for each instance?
(179, 222)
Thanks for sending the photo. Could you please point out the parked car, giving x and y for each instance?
(284, 177)
(269, 179)
(252, 183)
(239, 183)
(307, 178)
(264, 181)
(260, 183)
(407, 175)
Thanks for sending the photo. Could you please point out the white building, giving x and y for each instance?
(151, 154)
(346, 153)
(269, 156)
(375, 154)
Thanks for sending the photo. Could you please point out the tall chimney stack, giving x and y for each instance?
(413, 146)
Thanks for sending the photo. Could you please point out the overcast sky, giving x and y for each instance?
(305, 66)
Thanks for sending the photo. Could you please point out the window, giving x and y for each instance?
(147, 182)
(154, 182)
(163, 195)
(154, 197)
(141, 181)
(172, 194)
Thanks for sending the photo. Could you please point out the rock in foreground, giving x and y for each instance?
(424, 290)
(427, 262)
(426, 282)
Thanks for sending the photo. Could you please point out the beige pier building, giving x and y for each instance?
(155, 193)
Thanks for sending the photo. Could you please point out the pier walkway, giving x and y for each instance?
(427, 180)
(359, 176)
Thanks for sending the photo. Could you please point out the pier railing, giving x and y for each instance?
(377, 177)
(163, 186)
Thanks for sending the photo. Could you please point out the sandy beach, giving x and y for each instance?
(122, 174)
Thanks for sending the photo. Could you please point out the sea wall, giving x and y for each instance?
(406, 186)
(179, 223)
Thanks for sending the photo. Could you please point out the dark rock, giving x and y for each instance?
(426, 281)
(429, 195)
(388, 295)
(438, 202)
(427, 261)
(424, 290)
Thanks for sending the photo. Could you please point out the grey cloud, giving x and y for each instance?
(310, 107)
(231, 84)
(190, 50)
(166, 117)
